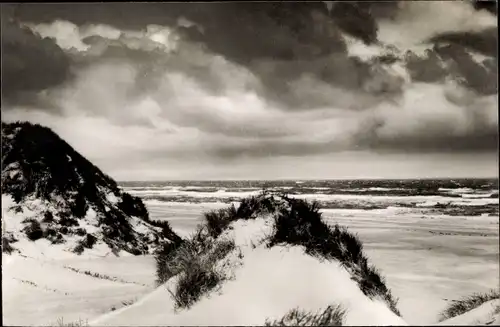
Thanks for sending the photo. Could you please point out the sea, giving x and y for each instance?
(186, 200)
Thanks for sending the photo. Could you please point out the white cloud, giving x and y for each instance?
(417, 21)
(179, 122)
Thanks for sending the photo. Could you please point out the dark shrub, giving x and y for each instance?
(48, 217)
(133, 206)
(79, 249)
(167, 230)
(53, 236)
(80, 231)
(49, 232)
(89, 240)
(33, 230)
(6, 247)
(79, 207)
(57, 239)
(64, 230)
(66, 220)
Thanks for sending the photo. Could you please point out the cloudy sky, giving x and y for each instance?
(155, 91)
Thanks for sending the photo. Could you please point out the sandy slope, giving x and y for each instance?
(423, 268)
(267, 284)
(39, 292)
(485, 314)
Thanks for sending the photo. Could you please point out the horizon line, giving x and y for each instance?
(308, 179)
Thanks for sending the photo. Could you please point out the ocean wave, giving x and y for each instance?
(294, 190)
(446, 206)
(451, 197)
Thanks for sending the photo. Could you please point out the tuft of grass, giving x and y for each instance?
(6, 247)
(465, 304)
(53, 236)
(198, 280)
(79, 249)
(79, 323)
(194, 261)
(129, 302)
(162, 258)
(301, 224)
(48, 217)
(218, 220)
(88, 241)
(33, 230)
(331, 316)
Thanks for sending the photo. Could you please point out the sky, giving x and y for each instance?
(318, 90)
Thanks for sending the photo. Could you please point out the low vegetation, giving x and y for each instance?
(70, 186)
(79, 323)
(33, 229)
(217, 221)
(6, 247)
(297, 222)
(331, 316)
(167, 230)
(194, 261)
(465, 304)
(301, 224)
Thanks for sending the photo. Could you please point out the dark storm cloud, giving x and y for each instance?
(478, 76)
(485, 42)
(481, 78)
(488, 5)
(295, 51)
(359, 19)
(29, 64)
(274, 149)
(478, 141)
(278, 42)
(122, 15)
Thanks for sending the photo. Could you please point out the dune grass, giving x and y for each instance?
(194, 261)
(331, 316)
(301, 225)
(296, 222)
(79, 323)
(198, 273)
(217, 221)
(467, 303)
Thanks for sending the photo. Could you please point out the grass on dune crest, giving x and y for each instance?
(195, 262)
(301, 225)
(467, 303)
(296, 222)
(331, 316)
(218, 220)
